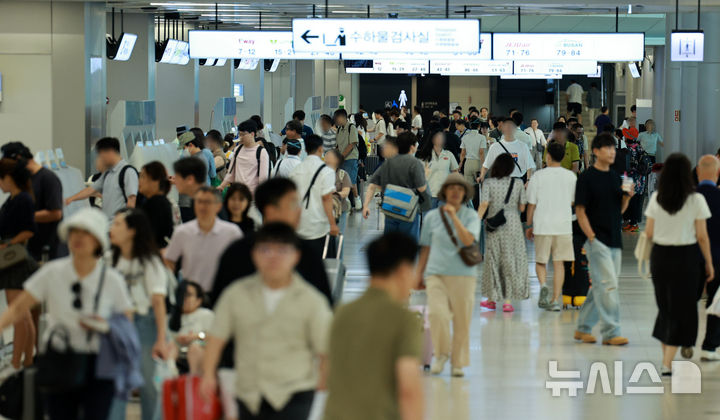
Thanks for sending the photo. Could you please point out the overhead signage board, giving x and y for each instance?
(393, 66)
(401, 66)
(687, 46)
(485, 53)
(541, 67)
(531, 76)
(250, 44)
(386, 35)
(607, 47)
(471, 67)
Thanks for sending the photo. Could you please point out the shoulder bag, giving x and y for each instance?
(470, 254)
(64, 370)
(12, 255)
(643, 248)
(494, 223)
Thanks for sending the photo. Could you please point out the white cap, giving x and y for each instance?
(89, 219)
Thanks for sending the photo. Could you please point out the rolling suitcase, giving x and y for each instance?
(182, 400)
(577, 274)
(371, 164)
(334, 267)
(427, 353)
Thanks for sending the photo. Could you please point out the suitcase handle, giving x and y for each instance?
(327, 245)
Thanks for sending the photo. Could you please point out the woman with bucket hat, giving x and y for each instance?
(80, 294)
(446, 233)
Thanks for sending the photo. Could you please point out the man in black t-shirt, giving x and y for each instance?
(48, 195)
(600, 200)
(277, 200)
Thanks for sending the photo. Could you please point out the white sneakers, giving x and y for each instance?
(358, 203)
(438, 367)
(439, 364)
(709, 356)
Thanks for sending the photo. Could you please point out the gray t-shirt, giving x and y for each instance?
(402, 170)
(109, 186)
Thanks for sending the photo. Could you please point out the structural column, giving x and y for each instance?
(692, 92)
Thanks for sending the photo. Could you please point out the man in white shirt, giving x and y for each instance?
(199, 242)
(539, 142)
(574, 95)
(633, 113)
(290, 159)
(316, 185)
(520, 135)
(551, 193)
(473, 145)
(524, 164)
(417, 120)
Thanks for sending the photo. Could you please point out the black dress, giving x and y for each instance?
(17, 215)
(677, 274)
(159, 211)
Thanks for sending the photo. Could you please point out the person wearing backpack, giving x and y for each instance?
(250, 162)
(347, 141)
(316, 185)
(118, 184)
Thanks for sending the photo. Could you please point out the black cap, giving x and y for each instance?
(181, 129)
(15, 150)
(248, 126)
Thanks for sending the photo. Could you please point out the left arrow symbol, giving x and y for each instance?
(305, 36)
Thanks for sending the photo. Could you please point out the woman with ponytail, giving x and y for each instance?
(153, 184)
(17, 226)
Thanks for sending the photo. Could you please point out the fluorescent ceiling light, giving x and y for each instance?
(350, 12)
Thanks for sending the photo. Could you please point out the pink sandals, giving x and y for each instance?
(488, 304)
(508, 308)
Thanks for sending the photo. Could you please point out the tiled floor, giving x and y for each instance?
(510, 355)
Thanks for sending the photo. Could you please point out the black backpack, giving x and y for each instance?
(121, 179)
(230, 165)
(622, 160)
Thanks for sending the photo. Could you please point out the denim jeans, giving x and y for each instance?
(603, 300)
(149, 398)
(409, 228)
(351, 167)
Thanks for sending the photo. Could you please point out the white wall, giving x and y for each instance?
(128, 80)
(41, 63)
(68, 82)
(175, 99)
(280, 88)
(250, 79)
(214, 84)
(470, 90)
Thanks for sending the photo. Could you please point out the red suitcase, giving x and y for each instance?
(182, 401)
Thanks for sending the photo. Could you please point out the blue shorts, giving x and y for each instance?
(351, 167)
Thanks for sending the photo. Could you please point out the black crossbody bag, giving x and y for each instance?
(494, 223)
(65, 370)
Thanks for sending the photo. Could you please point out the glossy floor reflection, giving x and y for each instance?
(510, 354)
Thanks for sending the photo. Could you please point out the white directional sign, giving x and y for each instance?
(386, 35)
(599, 47)
(485, 53)
(250, 44)
(471, 67)
(556, 67)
